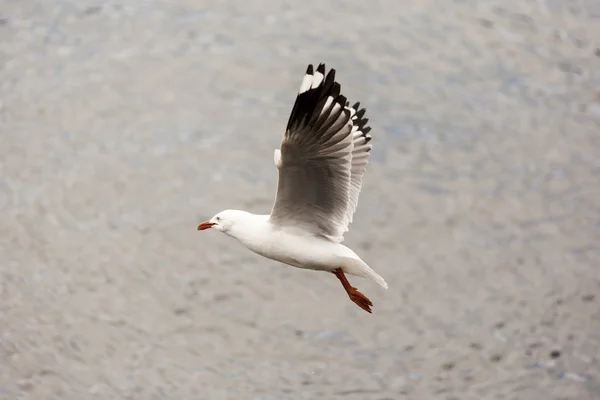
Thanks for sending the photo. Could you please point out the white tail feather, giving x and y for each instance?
(360, 268)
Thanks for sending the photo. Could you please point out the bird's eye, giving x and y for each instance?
(218, 218)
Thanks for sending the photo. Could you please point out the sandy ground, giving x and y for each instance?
(125, 124)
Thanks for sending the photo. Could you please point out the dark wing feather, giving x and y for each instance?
(322, 159)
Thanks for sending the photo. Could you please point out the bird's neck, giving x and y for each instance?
(249, 228)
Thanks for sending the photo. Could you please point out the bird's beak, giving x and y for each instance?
(205, 225)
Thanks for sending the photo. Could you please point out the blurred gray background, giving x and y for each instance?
(125, 124)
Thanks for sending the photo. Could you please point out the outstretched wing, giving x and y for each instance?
(322, 159)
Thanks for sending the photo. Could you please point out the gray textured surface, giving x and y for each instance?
(124, 125)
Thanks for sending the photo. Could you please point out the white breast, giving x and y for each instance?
(302, 251)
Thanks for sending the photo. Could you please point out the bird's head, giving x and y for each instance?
(223, 221)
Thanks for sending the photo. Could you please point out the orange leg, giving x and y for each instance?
(360, 299)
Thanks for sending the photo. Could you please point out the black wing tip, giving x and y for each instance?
(310, 70)
(310, 98)
(359, 120)
(360, 113)
(335, 90)
(324, 80)
(330, 75)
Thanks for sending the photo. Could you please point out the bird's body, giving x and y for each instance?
(295, 247)
(323, 157)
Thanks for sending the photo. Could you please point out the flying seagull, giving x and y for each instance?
(321, 163)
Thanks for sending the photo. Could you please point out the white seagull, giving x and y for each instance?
(322, 160)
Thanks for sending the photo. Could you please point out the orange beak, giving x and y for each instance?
(205, 225)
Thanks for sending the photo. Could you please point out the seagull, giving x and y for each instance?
(321, 162)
